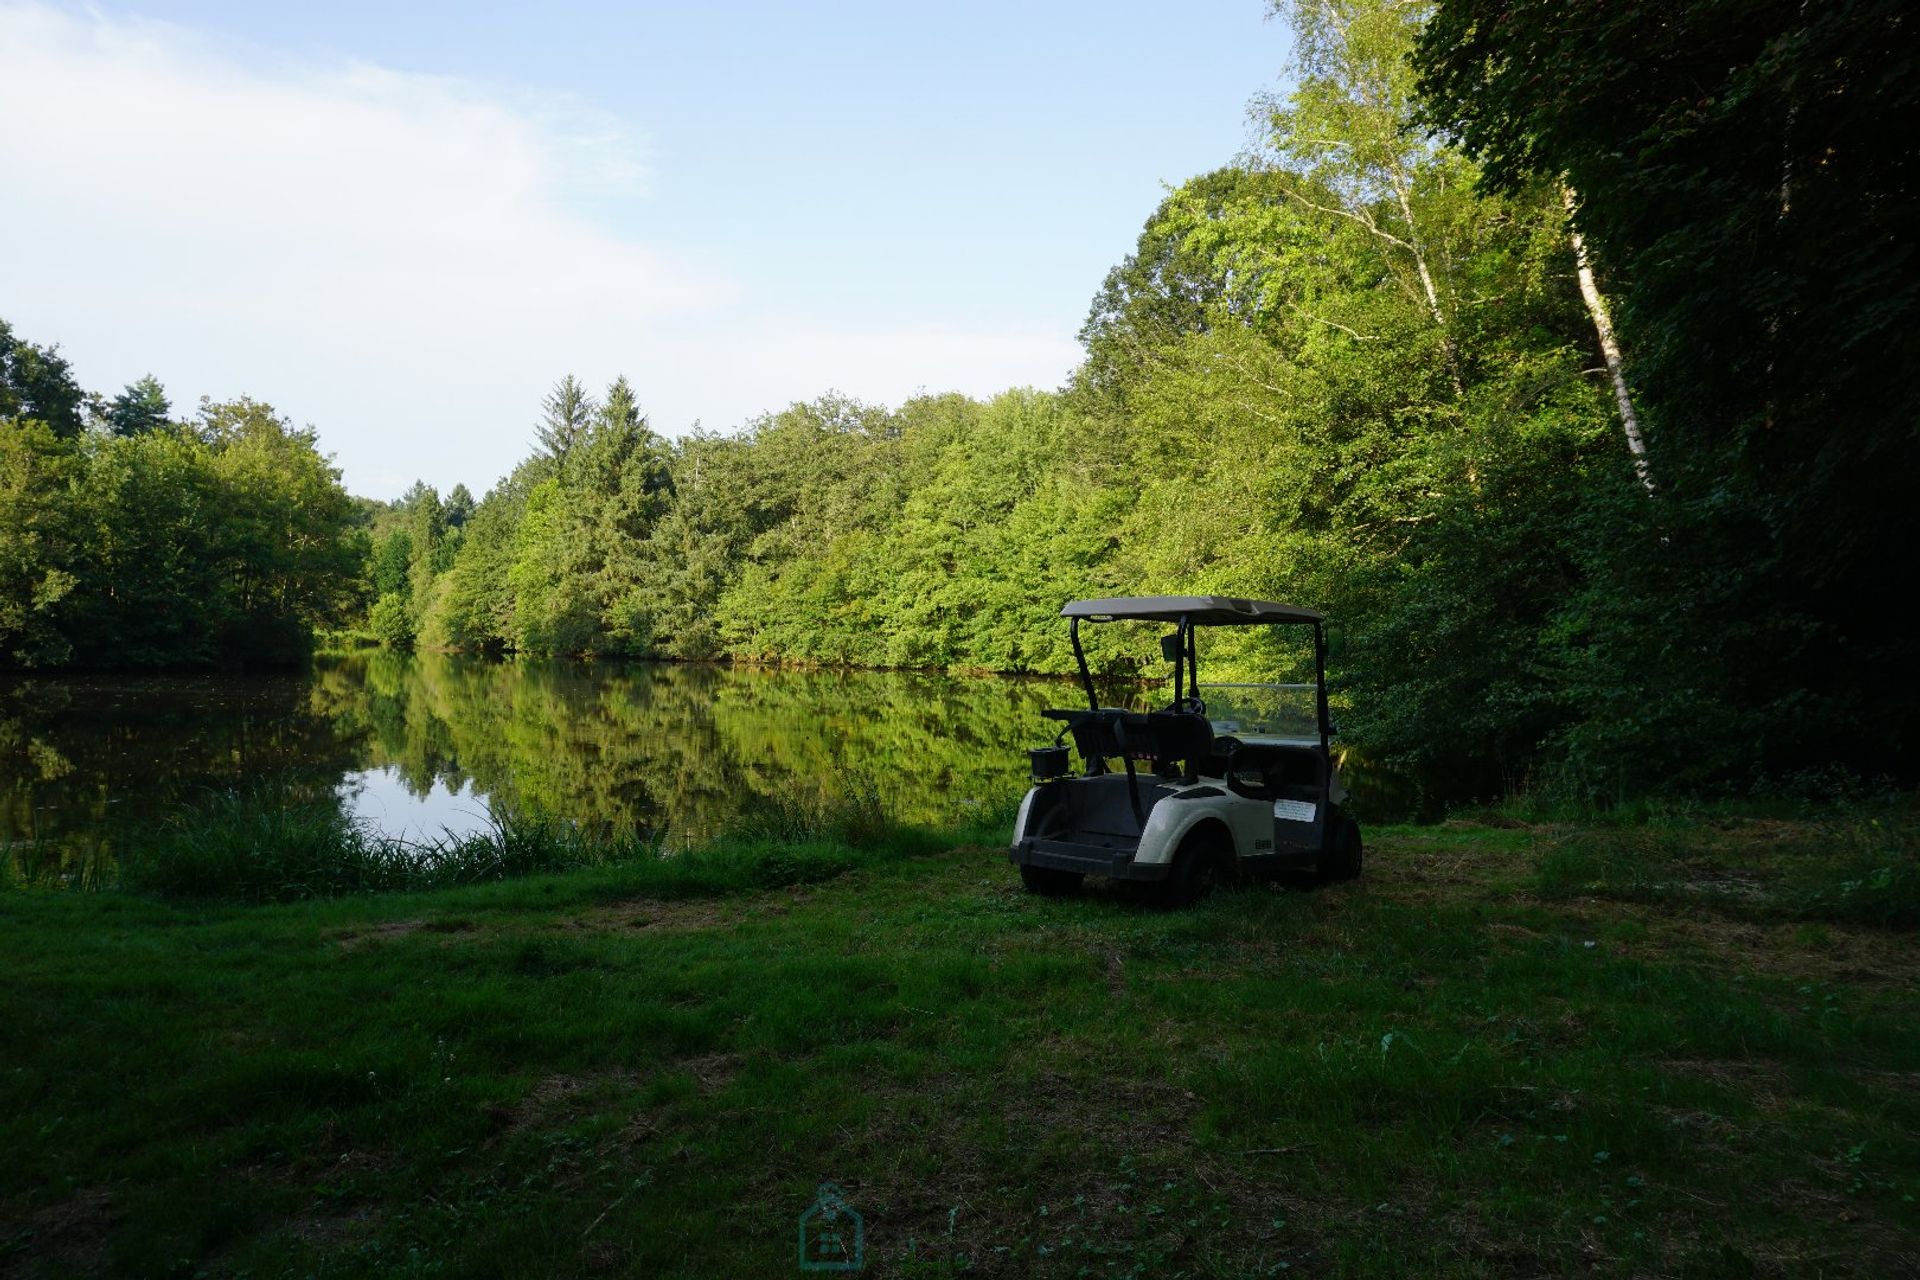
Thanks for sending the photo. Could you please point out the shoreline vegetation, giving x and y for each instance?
(1673, 1046)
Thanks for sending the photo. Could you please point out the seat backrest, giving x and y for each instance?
(1093, 733)
(1171, 739)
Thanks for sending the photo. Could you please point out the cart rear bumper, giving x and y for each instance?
(1064, 855)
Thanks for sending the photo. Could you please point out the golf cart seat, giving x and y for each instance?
(1176, 743)
(1270, 771)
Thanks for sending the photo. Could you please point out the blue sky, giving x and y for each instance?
(402, 222)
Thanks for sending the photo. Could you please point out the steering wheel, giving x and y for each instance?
(1191, 705)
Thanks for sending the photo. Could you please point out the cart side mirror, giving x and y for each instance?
(1170, 647)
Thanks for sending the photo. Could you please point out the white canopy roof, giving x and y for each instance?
(1206, 611)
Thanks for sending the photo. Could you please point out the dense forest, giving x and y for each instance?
(1561, 352)
(128, 539)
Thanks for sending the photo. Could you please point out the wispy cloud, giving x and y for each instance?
(405, 260)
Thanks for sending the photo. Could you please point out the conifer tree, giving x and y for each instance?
(564, 417)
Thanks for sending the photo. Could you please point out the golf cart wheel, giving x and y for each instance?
(1203, 863)
(1344, 853)
(1051, 881)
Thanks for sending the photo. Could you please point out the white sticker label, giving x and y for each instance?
(1295, 810)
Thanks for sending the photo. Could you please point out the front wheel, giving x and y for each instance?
(1051, 881)
(1344, 853)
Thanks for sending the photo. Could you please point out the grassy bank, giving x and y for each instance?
(1686, 1049)
(280, 842)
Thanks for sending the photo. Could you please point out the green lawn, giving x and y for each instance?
(1505, 1051)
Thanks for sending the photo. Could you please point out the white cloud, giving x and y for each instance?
(400, 259)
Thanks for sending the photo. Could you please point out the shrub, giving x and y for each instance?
(390, 623)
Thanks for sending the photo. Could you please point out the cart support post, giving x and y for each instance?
(1080, 659)
(1320, 688)
(1182, 641)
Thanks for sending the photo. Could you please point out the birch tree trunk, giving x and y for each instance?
(1433, 294)
(1609, 345)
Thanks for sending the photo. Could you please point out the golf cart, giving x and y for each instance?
(1176, 799)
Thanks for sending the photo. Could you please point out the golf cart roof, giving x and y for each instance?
(1205, 611)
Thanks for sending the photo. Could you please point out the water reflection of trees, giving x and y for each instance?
(82, 758)
(681, 745)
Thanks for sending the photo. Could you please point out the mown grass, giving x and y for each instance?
(1859, 867)
(1483, 1058)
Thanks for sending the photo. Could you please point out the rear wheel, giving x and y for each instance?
(1344, 853)
(1051, 881)
(1203, 863)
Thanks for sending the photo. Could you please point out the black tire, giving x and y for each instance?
(1051, 882)
(1344, 853)
(1203, 863)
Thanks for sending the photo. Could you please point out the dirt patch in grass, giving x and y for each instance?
(553, 1100)
(1828, 953)
(1102, 1189)
(330, 1228)
(1862, 1243)
(556, 1099)
(354, 939)
(682, 915)
(655, 917)
(1410, 871)
(711, 1071)
(65, 1239)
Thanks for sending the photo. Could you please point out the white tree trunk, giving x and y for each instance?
(1433, 294)
(1609, 345)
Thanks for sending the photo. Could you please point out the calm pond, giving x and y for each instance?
(417, 746)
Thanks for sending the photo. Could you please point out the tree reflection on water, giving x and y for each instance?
(412, 744)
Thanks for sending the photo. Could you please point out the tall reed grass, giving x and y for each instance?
(280, 844)
(270, 846)
(856, 815)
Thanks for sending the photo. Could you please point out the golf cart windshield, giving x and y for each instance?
(1189, 614)
(1263, 712)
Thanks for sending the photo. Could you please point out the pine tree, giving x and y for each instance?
(459, 506)
(142, 407)
(565, 415)
(621, 410)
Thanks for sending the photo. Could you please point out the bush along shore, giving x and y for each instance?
(1680, 1047)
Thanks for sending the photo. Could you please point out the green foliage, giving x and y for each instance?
(142, 407)
(390, 568)
(564, 416)
(224, 542)
(389, 622)
(37, 383)
(1353, 369)
(1745, 176)
(37, 544)
(1338, 372)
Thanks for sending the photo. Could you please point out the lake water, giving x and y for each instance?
(422, 745)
